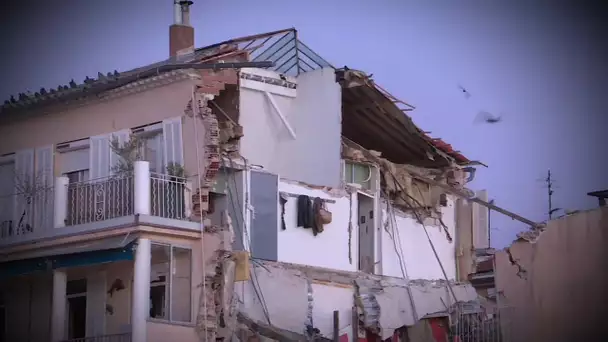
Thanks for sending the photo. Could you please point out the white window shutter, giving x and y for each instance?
(123, 137)
(99, 166)
(172, 141)
(43, 201)
(25, 187)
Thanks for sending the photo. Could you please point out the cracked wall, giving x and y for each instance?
(334, 290)
(554, 286)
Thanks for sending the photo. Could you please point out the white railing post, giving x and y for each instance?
(60, 204)
(142, 184)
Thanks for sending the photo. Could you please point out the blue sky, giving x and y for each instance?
(540, 65)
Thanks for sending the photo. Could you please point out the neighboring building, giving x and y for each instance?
(97, 244)
(551, 282)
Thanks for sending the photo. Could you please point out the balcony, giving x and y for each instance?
(140, 197)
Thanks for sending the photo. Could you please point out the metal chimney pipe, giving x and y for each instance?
(177, 12)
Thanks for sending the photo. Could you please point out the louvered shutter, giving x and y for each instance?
(43, 200)
(99, 166)
(172, 141)
(25, 189)
(123, 137)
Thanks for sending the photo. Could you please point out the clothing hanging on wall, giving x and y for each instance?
(283, 201)
(305, 213)
(317, 226)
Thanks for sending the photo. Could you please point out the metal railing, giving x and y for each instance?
(26, 213)
(100, 199)
(168, 195)
(105, 338)
(490, 325)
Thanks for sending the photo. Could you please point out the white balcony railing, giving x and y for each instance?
(141, 192)
(99, 199)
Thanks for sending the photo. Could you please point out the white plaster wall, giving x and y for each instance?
(417, 254)
(328, 249)
(328, 298)
(314, 112)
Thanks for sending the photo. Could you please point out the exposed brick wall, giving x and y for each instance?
(181, 39)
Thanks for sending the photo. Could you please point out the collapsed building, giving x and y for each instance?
(240, 189)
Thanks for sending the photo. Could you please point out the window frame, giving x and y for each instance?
(83, 175)
(349, 178)
(169, 284)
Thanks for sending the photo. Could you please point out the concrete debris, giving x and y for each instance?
(230, 135)
(216, 315)
(369, 309)
(409, 194)
(531, 235)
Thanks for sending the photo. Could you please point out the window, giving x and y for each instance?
(358, 174)
(171, 283)
(151, 150)
(77, 176)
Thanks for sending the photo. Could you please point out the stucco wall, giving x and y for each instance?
(329, 249)
(314, 113)
(556, 288)
(106, 117)
(126, 112)
(414, 248)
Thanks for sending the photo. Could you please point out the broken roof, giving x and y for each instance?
(393, 131)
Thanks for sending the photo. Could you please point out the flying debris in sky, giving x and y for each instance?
(487, 117)
(466, 93)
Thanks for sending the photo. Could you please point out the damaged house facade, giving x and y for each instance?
(248, 187)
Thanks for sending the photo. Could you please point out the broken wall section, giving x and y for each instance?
(295, 296)
(292, 127)
(554, 281)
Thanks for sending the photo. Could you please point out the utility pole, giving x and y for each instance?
(490, 225)
(550, 182)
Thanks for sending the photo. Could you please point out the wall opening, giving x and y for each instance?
(365, 217)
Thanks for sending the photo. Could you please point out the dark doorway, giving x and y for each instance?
(77, 308)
